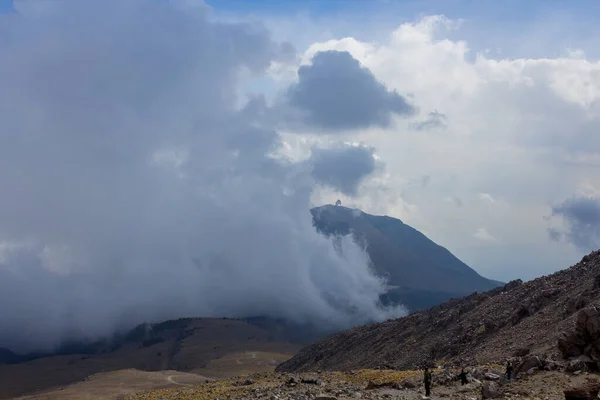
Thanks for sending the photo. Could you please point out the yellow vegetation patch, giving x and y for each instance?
(219, 389)
(227, 389)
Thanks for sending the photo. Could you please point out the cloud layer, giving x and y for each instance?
(134, 189)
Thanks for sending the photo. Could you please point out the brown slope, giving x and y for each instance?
(479, 328)
(189, 345)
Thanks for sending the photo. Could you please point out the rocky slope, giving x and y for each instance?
(421, 273)
(513, 320)
(385, 384)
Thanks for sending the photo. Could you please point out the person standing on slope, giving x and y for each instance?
(509, 370)
(463, 377)
(427, 382)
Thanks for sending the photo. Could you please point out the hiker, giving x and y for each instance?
(463, 377)
(509, 370)
(427, 381)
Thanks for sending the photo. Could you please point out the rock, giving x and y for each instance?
(531, 371)
(491, 376)
(580, 363)
(521, 352)
(408, 385)
(571, 344)
(478, 373)
(528, 363)
(490, 390)
(551, 366)
(582, 340)
(587, 391)
(293, 381)
(372, 385)
(312, 381)
(325, 398)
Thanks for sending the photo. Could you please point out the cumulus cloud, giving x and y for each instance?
(336, 92)
(343, 167)
(506, 115)
(581, 216)
(134, 188)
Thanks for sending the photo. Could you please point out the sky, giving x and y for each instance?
(500, 163)
(158, 157)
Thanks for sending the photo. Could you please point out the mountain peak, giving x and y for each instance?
(421, 272)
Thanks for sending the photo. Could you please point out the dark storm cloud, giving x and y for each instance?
(582, 222)
(343, 167)
(336, 93)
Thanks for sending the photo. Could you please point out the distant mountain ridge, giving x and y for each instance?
(186, 344)
(420, 273)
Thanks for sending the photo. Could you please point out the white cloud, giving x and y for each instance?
(141, 188)
(522, 130)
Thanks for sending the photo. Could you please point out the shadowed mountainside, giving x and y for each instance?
(420, 272)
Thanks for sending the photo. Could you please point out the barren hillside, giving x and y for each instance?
(515, 319)
(192, 345)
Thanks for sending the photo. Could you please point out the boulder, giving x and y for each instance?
(478, 373)
(407, 385)
(553, 365)
(586, 391)
(312, 381)
(532, 371)
(489, 376)
(580, 363)
(528, 363)
(490, 390)
(521, 352)
(571, 344)
(293, 381)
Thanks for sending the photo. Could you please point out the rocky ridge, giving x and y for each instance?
(512, 321)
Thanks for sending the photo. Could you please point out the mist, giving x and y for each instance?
(135, 189)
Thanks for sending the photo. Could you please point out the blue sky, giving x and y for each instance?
(511, 27)
(5, 6)
(507, 26)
